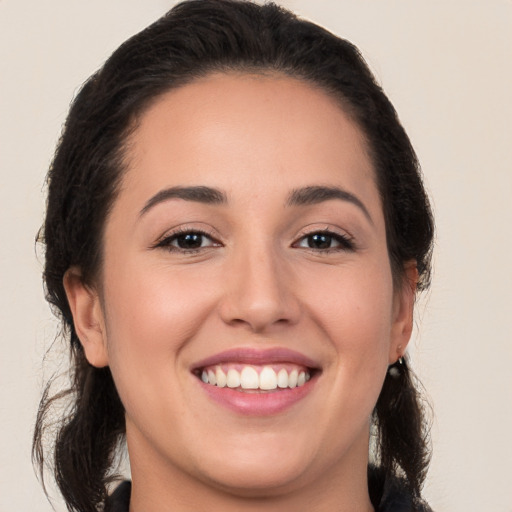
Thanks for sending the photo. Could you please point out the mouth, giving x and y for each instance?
(255, 378)
(257, 381)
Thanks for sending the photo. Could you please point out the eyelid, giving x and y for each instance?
(165, 240)
(344, 238)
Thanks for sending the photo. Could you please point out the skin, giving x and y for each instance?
(254, 284)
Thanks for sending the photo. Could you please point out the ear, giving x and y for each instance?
(87, 317)
(403, 308)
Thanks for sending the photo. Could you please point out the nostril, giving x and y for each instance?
(258, 292)
(259, 316)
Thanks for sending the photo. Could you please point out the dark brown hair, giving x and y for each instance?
(195, 38)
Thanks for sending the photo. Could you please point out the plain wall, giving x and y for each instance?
(446, 65)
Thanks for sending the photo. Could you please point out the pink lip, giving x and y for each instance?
(258, 357)
(257, 404)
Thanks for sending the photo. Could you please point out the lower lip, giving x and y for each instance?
(258, 404)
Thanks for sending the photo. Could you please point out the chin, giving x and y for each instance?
(257, 479)
(253, 464)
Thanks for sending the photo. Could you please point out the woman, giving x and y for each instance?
(235, 233)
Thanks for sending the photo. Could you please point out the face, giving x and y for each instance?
(246, 305)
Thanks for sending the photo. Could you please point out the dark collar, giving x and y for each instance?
(119, 500)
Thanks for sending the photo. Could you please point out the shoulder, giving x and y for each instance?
(392, 495)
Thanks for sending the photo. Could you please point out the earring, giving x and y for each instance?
(395, 369)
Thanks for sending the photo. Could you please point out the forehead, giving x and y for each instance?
(244, 130)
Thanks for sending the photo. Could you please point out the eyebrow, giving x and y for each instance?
(299, 197)
(200, 194)
(318, 194)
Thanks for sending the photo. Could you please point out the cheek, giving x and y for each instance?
(151, 314)
(354, 304)
(355, 313)
(160, 304)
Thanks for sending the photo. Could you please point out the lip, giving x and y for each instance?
(257, 403)
(258, 357)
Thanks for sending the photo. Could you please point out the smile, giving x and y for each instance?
(250, 378)
(257, 382)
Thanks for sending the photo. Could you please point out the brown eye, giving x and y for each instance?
(325, 241)
(188, 241)
(319, 241)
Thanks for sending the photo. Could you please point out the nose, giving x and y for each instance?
(260, 291)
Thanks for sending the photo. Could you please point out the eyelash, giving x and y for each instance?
(345, 242)
(166, 242)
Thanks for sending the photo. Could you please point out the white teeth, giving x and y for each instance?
(282, 378)
(211, 377)
(268, 378)
(249, 378)
(233, 379)
(221, 378)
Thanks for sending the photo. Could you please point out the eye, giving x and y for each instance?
(188, 241)
(325, 241)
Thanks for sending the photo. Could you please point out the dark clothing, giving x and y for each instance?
(386, 497)
(392, 495)
(119, 501)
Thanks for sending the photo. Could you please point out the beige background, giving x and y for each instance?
(446, 66)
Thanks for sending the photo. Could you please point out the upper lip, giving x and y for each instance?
(257, 356)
